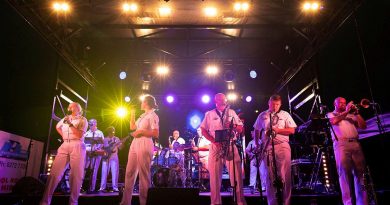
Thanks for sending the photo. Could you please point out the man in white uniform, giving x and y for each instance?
(94, 143)
(176, 154)
(349, 156)
(282, 126)
(220, 119)
(112, 144)
(72, 150)
(251, 151)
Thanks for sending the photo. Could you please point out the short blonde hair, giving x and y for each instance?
(78, 106)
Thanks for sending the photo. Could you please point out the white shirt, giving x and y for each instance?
(202, 143)
(282, 120)
(345, 128)
(89, 135)
(212, 121)
(79, 122)
(148, 121)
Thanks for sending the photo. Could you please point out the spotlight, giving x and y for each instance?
(146, 77)
(170, 99)
(210, 11)
(248, 98)
(238, 6)
(121, 112)
(211, 70)
(142, 97)
(205, 99)
(232, 96)
(162, 70)
(122, 75)
(61, 7)
(164, 11)
(256, 111)
(253, 74)
(311, 6)
(195, 121)
(126, 7)
(127, 99)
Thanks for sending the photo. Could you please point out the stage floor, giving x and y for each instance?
(204, 198)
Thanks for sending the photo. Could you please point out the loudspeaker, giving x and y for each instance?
(173, 196)
(29, 186)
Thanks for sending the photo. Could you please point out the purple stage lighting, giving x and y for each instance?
(205, 99)
(195, 121)
(248, 98)
(170, 99)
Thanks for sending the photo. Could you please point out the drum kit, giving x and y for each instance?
(176, 167)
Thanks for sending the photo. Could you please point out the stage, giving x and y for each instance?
(204, 198)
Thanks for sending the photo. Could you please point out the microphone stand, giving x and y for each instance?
(258, 162)
(234, 167)
(278, 184)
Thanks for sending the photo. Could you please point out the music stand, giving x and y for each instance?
(221, 135)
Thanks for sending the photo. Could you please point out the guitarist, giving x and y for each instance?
(111, 161)
(251, 150)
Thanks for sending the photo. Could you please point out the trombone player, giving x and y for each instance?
(350, 160)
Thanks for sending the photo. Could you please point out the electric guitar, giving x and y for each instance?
(112, 146)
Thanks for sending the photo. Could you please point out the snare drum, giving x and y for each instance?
(166, 177)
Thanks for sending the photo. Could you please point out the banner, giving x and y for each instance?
(13, 159)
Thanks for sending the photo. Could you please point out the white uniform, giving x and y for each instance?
(282, 119)
(112, 163)
(350, 160)
(204, 155)
(254, 167)
(211, 123)
(140, 156)
(93, 162)
(72, 151)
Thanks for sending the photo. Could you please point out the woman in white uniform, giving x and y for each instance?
(141, 150)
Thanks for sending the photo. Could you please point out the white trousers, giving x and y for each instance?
(215, 169)
(72, 152)
(138, 162)
(110, 164)
(283, 165)
(93, 163)
(350, 163)
(253, 173)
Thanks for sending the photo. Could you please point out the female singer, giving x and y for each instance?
(141, 150)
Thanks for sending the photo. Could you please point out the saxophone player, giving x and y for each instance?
(220, 119)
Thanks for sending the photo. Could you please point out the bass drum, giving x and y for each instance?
(165, 177)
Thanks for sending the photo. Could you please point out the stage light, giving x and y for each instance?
(211, 70)
(122, 75)
(241, 6)
(195, 121)
(126, 7)
(230, 86)
(311, 6)
(245, 6)
(164, 11)
(256, 111)
(127, 99)
(248, 98)
(253, 74)
(162, 70)
(61, 7)
(170, 99)
(142, 97)
(121, 112)
(237, 6)
(205, 99)
(232, 96)
(210, 11)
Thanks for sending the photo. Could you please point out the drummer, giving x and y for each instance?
(176, 142)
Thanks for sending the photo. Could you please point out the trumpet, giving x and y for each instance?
(364, 103)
